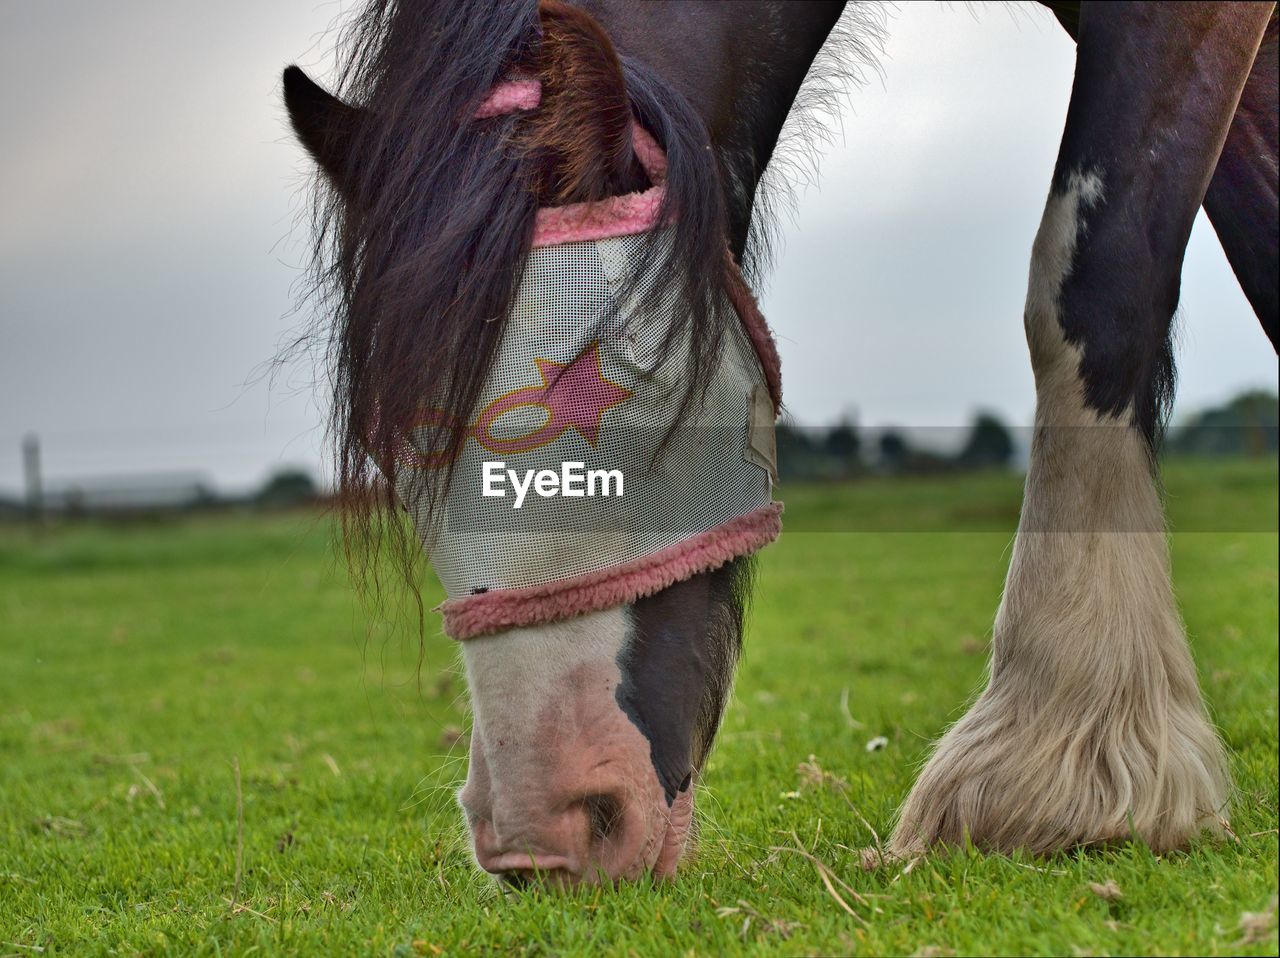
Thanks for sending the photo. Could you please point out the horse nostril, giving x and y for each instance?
(605, 815)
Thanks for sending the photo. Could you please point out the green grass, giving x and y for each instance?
(137, 663)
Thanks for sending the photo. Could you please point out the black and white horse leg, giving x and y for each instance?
(1092, 727)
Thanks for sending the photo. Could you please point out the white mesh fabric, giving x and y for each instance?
(702, 477)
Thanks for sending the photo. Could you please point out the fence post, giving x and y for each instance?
(31, 469)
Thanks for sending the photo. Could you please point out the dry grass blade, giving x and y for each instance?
(908, 868)
(1258, 926)
(866, 824)
(869, 858)
(826, 874)
(150, 785)
(844, 708)
(1107, 890)
(813, 775)
(237, 908)
(235, 888)
(1042, 871)
(776, 926)
(831, 890)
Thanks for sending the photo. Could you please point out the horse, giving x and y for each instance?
(456, 127)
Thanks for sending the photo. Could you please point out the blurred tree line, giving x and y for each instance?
(287, 489)
(843, 451)
(1245, 426)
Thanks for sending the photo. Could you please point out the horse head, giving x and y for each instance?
(526, 238)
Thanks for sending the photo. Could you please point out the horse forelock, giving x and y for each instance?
(583, 125)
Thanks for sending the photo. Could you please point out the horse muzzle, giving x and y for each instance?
(561, 788)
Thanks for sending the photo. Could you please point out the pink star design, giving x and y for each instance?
(578, 395)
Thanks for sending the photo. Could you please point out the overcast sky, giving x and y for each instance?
(149, 245)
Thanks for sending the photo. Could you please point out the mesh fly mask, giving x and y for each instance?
(584, 481)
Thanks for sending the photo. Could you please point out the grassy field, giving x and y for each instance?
(140, 665)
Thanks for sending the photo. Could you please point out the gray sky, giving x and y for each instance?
(148, 240)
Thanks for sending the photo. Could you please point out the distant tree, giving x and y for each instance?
(796, 451)
(286, 488)
(894, 450)
(989, 446)
(1247, 425)
(842, 445)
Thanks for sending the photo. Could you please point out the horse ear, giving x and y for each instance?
(323, 123)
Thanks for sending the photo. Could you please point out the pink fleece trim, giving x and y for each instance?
(616, 216)
(510, 97)
(580, 222)
(744, 302)
(469, 616)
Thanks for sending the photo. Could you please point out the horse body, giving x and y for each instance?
(590, 731)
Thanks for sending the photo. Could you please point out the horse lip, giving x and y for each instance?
(528, 862)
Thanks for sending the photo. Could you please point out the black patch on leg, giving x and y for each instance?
(1118, 307)
(677, 668)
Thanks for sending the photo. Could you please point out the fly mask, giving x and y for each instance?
(585, 481)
